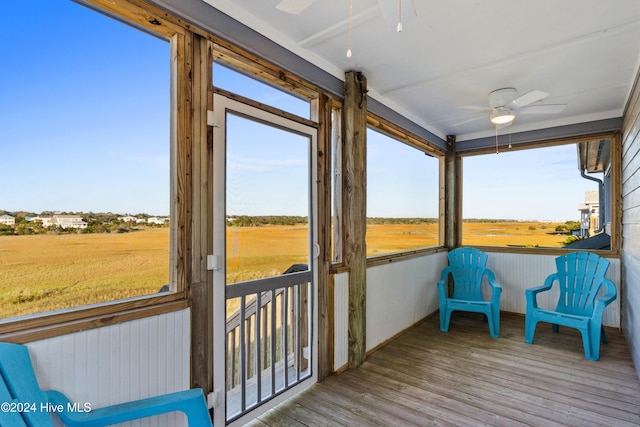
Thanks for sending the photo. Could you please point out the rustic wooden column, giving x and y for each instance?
(453, 196)
(354, 209)
(200, 205)
(321, 112)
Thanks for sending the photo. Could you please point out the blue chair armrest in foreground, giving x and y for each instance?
(19, 386)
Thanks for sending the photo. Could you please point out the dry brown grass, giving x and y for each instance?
(47, 272)
(513, 233)
(389, 238)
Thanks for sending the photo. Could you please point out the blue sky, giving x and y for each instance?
(538, 184)
(68, 141)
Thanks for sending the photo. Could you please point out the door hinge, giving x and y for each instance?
(213, 399)
(211, 119)
(213, 262)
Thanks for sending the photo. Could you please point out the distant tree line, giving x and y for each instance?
(379, 220)
(567, 227)
(260, 221)
(489, 220)
(99, 222)
(263, 220)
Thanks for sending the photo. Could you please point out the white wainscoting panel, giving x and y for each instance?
(341, 320)
(517, 272)
(119, 363)
(400, 294)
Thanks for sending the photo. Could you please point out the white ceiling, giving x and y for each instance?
(452, 53)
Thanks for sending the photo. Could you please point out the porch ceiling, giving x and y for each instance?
(451, 54)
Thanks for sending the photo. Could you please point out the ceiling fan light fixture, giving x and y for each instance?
(501, 116)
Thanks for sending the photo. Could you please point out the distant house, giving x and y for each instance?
(45, 220)
(156, 220)
(128, 218)
(69, 221)
(589, 214)
(7, 220)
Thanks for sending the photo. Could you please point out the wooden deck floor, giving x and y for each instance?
(466, 378)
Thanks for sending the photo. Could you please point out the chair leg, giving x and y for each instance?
(591, 348)
(445, 318)
(529, 329)
(596, 334)
(603, 335)
(494, 323)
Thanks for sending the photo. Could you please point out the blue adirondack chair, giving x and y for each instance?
(467, 266)
(25, 404)
(580, 276)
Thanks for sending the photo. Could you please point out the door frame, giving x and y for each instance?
(222, 105)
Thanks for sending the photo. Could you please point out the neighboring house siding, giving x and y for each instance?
(69, 221)
(631, 226)
(45, 220)
(7, 220)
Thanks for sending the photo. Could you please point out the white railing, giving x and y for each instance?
(267, 344)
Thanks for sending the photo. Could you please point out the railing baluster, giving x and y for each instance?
(232, 351)
(258, 367)
(262, 342)
(285, 336)
(273, 340)
(305, 325)
(243, 357)
(265, 335)
(298, 346)
(247, 345)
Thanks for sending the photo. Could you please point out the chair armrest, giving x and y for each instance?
(444, 282)
(495, 286)
(445, 274)
(190, 402)
(606, 299)
(531, 293)
(491, 279)
(547, 285)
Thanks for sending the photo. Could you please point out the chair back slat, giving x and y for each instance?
(467, 268)
(580, 275)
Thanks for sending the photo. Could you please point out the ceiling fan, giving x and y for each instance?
(504, 105)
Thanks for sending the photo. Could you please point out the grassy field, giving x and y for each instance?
(513, 234)
(390, 238)
(47, 272)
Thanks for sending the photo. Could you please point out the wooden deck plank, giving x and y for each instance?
(536, 382)
(466, 378)
(430, 399)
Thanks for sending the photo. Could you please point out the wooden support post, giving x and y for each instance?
(201, 209)
(354, 202)
(453, 196)
(322, 113)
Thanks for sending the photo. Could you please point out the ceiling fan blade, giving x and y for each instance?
(473, 119)
(542, 109)
(294, 7)
(474, 107)
(529, 97)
